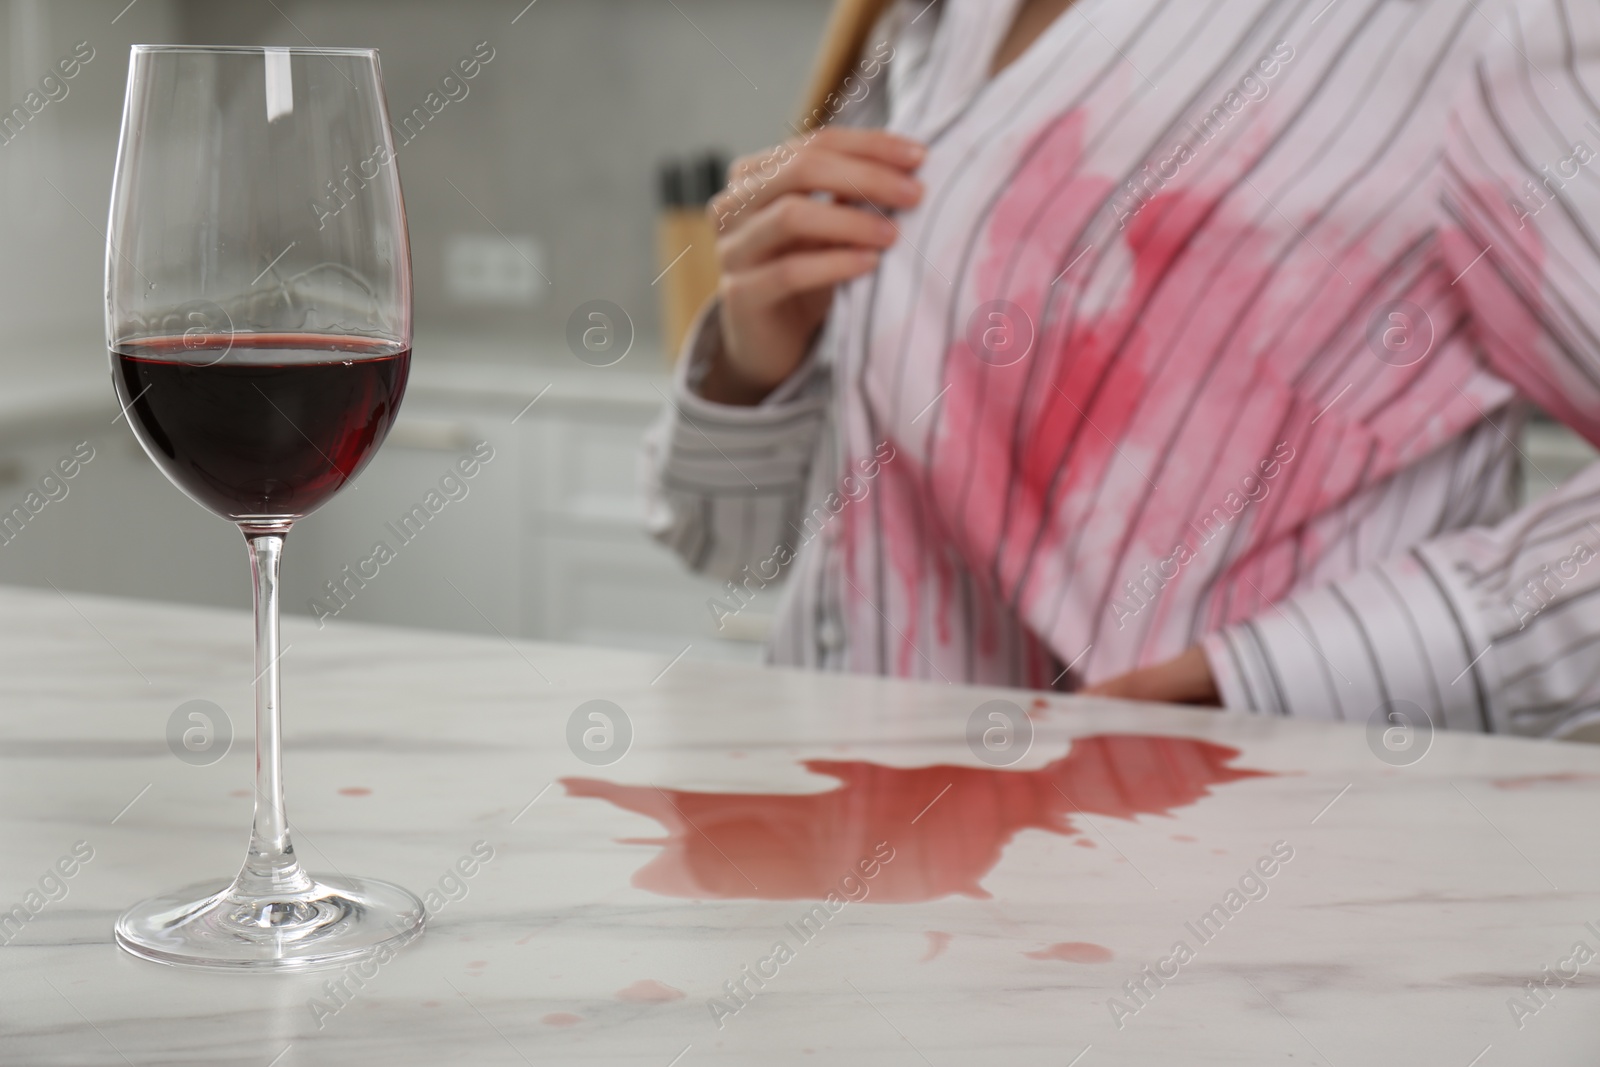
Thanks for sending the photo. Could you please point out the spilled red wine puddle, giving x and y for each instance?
(1531, 780)
(650, 991)
(942, 828)
(1072, 952)
(938, 941)
(561, 1018)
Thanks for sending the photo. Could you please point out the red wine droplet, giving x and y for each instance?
(1072, 952)
(1531, 780)
(650, 991)
(938, 941)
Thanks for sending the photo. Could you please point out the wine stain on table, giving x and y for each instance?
(946, 825)
(1530, 781)
(1072, 952)
(650, 991)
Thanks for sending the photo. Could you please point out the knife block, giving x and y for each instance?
(686, 262)
(686, 245)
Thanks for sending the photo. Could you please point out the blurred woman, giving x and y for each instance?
(1171, 351)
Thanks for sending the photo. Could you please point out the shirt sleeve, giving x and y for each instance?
(1491, 628)
(724, 483)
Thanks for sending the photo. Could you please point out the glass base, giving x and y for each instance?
(335, 922)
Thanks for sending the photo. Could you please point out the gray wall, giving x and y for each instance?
(55, 178)
(557, 140)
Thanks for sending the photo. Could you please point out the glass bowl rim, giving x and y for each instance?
(255, 49)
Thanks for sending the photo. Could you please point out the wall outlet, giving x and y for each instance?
(486, 268)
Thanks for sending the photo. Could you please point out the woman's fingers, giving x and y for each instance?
(792, 275)
(795, 222)
(857, 165)
(846, 177)
(1185, 679)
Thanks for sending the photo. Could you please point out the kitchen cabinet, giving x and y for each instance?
(120, 528)
(546, 540)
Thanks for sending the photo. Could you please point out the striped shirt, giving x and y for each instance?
(1217, 324)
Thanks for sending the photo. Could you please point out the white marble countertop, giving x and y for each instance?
(1017, 903)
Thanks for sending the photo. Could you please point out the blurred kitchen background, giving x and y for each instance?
(548, 168)
(537, 192)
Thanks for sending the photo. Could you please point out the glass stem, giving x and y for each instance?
(271, 871)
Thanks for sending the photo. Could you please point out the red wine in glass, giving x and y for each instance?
(264, 425)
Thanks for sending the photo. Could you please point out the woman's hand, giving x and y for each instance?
(1184, 680)
(782, 249)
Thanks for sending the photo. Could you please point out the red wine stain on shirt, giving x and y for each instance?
(1528, 781)
(650, 991)
(938, 941)
(767, 846)
(1182, 837)
(355, 791)
(1072, 952)
(561, 1018)
(1026, 494)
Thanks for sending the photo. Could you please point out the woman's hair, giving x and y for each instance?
(842, 42)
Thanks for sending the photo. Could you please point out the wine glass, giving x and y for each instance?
(258, 316)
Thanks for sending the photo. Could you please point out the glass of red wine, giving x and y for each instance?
(258, 316)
